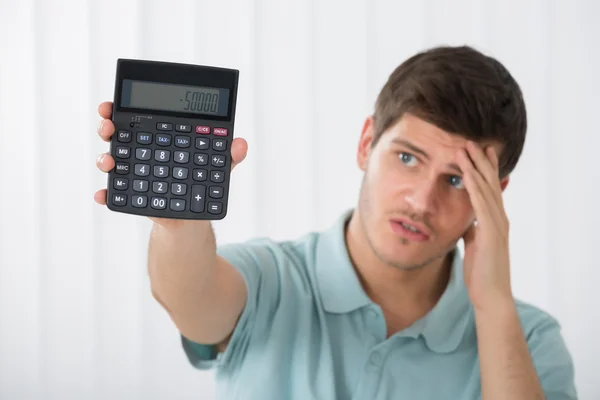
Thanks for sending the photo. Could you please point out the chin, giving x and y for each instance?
(404, 261)
(404, 253)
(401, 252)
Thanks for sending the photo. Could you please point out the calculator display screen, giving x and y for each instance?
(173, 97)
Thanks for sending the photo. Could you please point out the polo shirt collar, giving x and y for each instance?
(339, 286)
(341, 292)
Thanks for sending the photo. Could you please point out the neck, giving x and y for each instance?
(406, 294)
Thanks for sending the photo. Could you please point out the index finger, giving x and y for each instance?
(483, 163)
(105, 109)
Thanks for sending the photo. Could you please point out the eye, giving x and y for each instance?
(407, 158)
(457, 182)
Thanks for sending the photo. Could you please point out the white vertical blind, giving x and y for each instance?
(77, 319)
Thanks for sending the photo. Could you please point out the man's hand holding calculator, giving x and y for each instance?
(203, 293)
(106, 162)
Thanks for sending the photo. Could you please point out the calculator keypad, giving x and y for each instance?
(179, 168)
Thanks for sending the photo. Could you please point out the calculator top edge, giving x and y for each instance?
(139, 61)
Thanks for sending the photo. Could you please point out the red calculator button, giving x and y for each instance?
(205, 130)
(220, 131)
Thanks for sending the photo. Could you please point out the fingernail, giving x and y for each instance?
(100, 126)
(100, 158)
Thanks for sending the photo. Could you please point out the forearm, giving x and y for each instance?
(181, 261)
(507, 370)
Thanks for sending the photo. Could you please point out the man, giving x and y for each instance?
(382, 305)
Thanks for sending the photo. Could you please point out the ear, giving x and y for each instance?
(504, 183)
(364, 144)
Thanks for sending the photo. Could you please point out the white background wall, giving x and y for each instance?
(77, 320)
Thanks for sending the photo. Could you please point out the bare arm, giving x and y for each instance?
(507, 369)
(203, 294)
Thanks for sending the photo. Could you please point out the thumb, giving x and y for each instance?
(469, 235)
(239, 149)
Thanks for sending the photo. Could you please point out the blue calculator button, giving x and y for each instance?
(144, 138)
(182, 141)
(163, 139)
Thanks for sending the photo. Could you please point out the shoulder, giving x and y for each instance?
(549, 351)
(539, 326)
(534, 318)
(263, 260)
(266, 251)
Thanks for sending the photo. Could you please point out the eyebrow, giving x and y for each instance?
(409, 145)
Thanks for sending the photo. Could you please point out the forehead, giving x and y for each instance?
(417, 130)
(424, 134)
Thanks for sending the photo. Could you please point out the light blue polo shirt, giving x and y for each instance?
(309, 331)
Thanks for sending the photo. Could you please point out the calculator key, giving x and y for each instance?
(120, 183)
(124, 136)
(179, 189)
(219, 144)
(204, 130)
(183, 128)
(162, 155)
(182, 141)
(140, 185)
(139, 201)
(200, 175)
(177, 204)
(162, 139)
(160, 187)
(215, 207)
(164, 126)
(142, 169)
(181, 157)
(123, 152)
(119, 200)
(122, 168)
(216, 192)
(180, 173)
(201, 143)
(217, 176)
(218, 160)
(144, 138)
(220, 131)
(143, 154)
(158, 203)
(198, 198)
(200, 159)
(160, 171)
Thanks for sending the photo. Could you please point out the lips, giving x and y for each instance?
(420, 228)
(400, 230)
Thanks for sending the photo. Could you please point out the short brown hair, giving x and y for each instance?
(462, 91)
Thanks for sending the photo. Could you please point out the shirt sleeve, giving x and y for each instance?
(258, 266)
(552, 359)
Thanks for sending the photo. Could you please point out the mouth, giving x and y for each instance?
(410, 230)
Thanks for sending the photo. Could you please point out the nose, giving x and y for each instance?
(423, 198)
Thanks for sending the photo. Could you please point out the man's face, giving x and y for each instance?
(411, 174)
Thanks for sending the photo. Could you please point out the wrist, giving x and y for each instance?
(498, 305)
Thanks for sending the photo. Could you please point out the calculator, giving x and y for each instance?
(174, 126)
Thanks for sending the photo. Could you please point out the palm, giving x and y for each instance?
(484, 261)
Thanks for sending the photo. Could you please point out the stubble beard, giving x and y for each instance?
(366, 214)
